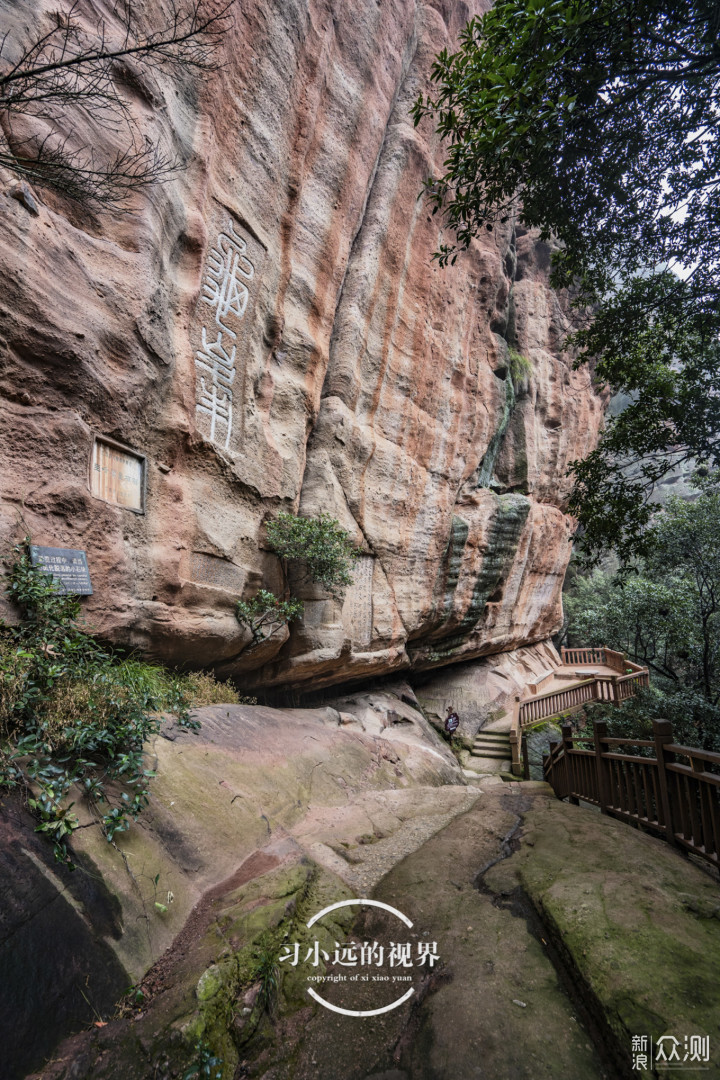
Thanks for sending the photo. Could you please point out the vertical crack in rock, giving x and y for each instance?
(486, 470)
(587, 1008)
(408, 57)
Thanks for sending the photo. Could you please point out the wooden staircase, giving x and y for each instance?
(613, 678)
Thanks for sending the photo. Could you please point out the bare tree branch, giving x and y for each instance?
(70, 67)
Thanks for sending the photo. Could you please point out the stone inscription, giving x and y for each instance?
(211, 570)
(116, 475)
(227, 292)
(68, 567)
(359, 601)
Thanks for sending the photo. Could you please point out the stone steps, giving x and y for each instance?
(492, 744)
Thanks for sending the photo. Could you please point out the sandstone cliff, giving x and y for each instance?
(268, 331)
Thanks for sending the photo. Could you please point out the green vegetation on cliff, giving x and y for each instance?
(597, 124)
(325, 551)
(73, 713)
(320, 543)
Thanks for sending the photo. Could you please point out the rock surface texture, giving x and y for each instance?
(269, 332)
(560, 935)
(256, 788)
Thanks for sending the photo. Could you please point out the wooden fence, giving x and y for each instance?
(608, 657)
(599, 687)
(676, 799)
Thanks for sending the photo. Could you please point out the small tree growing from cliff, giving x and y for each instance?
(70, 67)
(265, 614)
(324, 547)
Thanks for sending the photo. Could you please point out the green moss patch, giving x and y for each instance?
(633, 918)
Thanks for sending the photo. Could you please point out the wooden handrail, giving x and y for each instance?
(678, 802)
(602, 655)
(611, 688)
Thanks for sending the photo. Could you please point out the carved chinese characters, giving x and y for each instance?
(359, 604)
(230, 274)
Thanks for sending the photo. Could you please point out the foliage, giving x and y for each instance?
(74, 713)
(694, 721)
(267, 971)
(206, 1064)
(666, 614)
(596, 122)
(169, 689)
(321, 543)
(46, 80)
(520, 367)
(202, 688)
(265, 614)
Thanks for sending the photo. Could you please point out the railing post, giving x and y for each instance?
(515, 736)
(614, 692)
(567, 740)
(563, 650)
(554, 777)
(663, 734)
(525, 758)
(516, 765)
(602, 766)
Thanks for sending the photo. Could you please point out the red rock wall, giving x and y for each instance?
(346, 372)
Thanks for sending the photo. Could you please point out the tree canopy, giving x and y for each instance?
(320, 543)
(596, 122)
(666, 615)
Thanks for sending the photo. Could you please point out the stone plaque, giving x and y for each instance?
(117, 475)
(211, 570)
(68, 567)
(359, 600)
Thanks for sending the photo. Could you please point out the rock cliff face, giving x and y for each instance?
(268, 331)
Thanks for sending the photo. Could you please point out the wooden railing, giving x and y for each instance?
(609, 657)
(611, 688)
(678, 800)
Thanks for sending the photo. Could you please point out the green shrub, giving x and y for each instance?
(206, 1064)
(165, 688)
(74, 713)
(520, 367)
(265, 614)
(326, 549)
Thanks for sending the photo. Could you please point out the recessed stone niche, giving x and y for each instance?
(117, 475)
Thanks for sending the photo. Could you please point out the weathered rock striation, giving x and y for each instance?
(268, 331)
